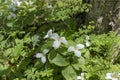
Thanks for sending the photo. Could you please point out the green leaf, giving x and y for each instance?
(57, 59)
(69, 73)
(51, 55)
(60, 3)
(79, 64)
(18, 49)
(8, 52)
(47, 45)
(60, 60)
(1, 37)
(10, 24)
(24, 63)
(4, 69)
(87, 54)
(46, 73)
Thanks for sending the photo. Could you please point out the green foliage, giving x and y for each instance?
(23, 26)
(69, 73)
(59, 60)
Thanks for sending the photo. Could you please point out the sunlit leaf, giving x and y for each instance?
(69, 73)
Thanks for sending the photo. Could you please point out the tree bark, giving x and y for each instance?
(106, 14)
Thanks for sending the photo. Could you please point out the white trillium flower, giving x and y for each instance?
(42, 55)
(108, 76)
(87, 41)
(112, 76)
(16, 2)
(118, 74)
(81, 77)
(58, 40)
(76, 49)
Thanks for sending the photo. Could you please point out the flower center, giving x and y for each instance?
(75, 48)
(58, 39)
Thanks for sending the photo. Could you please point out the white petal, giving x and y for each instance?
(18, 3)
(43, 59)
(49, 33)
(87, 43)
(118, 74)
(45, 51)
(46, 36)
(71, 48)
(77, 53)
(87, 37)
(63, 40)
(56, 44)
(79, 78)
(38, 55)
(54, 36)
(79, 46)
(109, 76)
(82, 74)
(114, 78)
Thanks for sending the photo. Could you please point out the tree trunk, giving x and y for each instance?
(106, 14)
